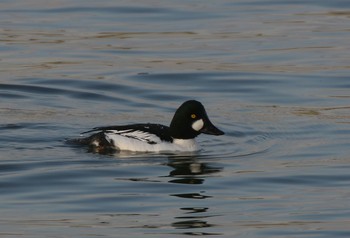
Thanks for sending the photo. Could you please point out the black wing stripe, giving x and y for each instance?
(159, 130)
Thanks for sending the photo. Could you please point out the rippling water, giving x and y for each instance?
(272, 74)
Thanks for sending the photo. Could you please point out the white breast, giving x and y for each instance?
(187, 145)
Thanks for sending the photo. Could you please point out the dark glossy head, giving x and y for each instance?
(190, 120)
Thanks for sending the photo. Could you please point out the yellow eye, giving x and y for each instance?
(193, 116)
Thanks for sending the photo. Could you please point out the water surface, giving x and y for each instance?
(272, 74)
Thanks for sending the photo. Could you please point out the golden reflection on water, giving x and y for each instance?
(278, 140)
(275, 45)
(339, 114)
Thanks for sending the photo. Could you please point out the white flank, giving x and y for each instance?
(138, 141)
(197, 125)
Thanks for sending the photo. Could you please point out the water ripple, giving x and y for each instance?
(273, 75)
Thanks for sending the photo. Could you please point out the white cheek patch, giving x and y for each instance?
(198, 125)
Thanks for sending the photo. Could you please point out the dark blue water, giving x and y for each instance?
(272, 74)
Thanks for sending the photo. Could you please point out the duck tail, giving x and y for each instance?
(97, 139)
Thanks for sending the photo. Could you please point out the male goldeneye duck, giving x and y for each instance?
(189, 121)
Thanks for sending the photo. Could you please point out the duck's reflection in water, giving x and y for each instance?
(191, 170)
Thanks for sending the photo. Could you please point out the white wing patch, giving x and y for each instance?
(135, 134)
(135, 140)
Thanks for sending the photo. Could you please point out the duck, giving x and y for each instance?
(189, 121)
